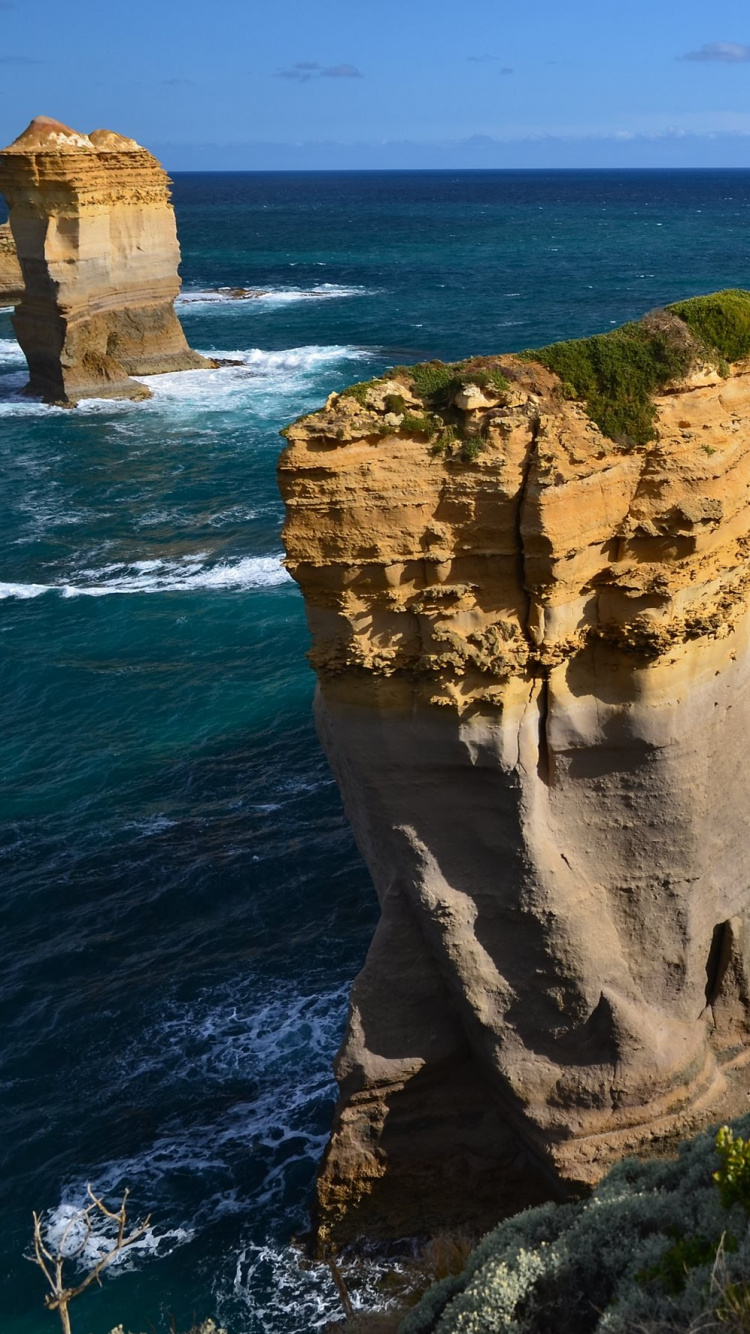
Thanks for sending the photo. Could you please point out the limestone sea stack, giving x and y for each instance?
(527, 580)
(11, 278)
(95, 232)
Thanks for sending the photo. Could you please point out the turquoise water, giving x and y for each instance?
(183, 907)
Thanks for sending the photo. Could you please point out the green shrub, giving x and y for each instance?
(721, 321)
(418, 425)
(641, 1253)
(358, 391)
(733, 1175)
(431, 379)
(673, 1268)
(483, 379)
(499, 381)
(471, 448)
(395, 403)
(619, 372)
(446, 440)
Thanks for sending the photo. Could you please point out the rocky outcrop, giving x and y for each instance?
(11, 278)
(97, 243)
(532, 648)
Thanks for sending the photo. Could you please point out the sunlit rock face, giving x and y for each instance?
(533, 691)
(95, 234)
(11, 278)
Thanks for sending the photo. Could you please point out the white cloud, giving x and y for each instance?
(730, 53)
(305, 70)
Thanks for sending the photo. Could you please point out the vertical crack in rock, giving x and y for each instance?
(95, 237)
(533, 662)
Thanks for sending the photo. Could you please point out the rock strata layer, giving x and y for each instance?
(95, 233)
(533, 688)
(11, 278)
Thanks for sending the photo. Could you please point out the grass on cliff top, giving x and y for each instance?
(618, 373)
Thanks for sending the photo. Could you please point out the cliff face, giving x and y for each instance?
(11, 278)
(95, 233)
(532, 655)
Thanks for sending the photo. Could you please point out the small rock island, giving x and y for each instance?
(527, 580)
(96, 241)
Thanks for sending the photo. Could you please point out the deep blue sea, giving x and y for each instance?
(183, 907)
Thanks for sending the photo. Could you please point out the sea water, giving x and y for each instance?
(183, 905)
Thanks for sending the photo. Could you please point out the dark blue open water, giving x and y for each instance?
(183, 908)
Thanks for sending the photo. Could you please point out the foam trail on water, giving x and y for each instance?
(162, 576)
(10, 352)
(269, 296)
(288, 373)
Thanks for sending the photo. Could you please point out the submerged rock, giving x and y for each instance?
(95, 233)
(533, 654)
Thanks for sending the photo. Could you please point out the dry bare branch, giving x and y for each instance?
(52, 1262)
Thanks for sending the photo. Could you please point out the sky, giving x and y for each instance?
(318, 84)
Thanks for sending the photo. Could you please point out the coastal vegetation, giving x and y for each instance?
(660, 1245)
(616, 376)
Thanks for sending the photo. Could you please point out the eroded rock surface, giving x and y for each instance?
(11, 278)
(95, 233)
(532, 654)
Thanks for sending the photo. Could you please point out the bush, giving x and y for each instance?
(358, 391)
(721, 321)
(619, 372)
(657, 1246)
(431, 379)
(418, 425)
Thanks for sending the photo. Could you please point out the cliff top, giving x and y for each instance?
(45, 135)
(615, 376)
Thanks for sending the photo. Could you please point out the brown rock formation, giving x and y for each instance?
(533, 688)
(11, 278)
(96, 238)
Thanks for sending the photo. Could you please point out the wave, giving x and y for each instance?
(161, 576)
(10, 352)
(277, 1043)
(268, 296)
(288, 372)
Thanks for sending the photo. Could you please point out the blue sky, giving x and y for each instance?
(397, 83)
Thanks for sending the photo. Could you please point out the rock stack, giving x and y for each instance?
(11, 278)
(95, 233)
(533, 654)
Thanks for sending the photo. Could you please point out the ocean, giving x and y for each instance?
(183, 906)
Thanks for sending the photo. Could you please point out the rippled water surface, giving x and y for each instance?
(183, 906)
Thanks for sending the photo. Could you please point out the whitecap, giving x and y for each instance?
(288, 372)
(88, 1242)
(10, 352)
(268, 296)
(162, 576)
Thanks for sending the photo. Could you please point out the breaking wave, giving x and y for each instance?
(249, 374)
(162, 576)
(268, 296)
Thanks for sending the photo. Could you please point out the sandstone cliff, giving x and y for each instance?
(11, 278)
(95, 233)
(532, 651)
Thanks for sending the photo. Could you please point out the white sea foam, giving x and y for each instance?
(66, 1227)
(287, 372)
(280, 1044)
(161, 576)
(10, 352)
(268, 296)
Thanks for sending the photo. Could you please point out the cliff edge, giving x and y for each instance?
(96, 239)
(526, 579)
